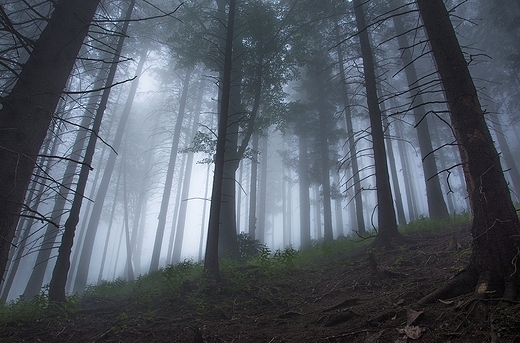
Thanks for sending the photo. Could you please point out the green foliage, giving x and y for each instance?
(251, 248)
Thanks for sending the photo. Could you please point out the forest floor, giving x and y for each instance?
(337, 298)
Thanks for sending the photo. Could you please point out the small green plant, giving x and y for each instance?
(249, 248)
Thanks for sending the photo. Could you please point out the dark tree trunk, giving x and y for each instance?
(387, 223)
(436, 204)
(325, 176)
(495, 227)
(27, 111)
(211, 265)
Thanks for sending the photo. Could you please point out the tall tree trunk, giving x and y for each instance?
(27, 111)
(436, 204)
(305, 199)
(495, 227)
(61, 269)
(325, 177)
(211, 264)
(358, 203)
(159, 234)
(95, 216)
(387, 223)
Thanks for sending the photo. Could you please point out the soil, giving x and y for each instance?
(362, 296)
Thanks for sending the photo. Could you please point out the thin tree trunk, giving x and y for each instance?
(358, 203)
(325, 177)
(154, 264)
(387, 223)
(61, 269)
(181, 220)
(262, 191)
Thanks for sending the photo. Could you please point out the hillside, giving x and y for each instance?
(335, 298)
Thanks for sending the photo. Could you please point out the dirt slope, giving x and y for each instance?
(357, 297)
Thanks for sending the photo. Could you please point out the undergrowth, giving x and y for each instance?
(187, 280)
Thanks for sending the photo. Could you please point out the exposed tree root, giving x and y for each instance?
(462, 283)
(482, 284)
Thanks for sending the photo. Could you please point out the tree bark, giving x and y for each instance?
(387, 223)
(495, 227)
(27, 111)
(211, 265)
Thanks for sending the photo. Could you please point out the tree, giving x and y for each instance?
(61, 269)
(211, 265)
(27, 111)
(495, 226)
(436, 204)
(387, 222)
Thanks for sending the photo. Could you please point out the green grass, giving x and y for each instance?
(187, 279)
